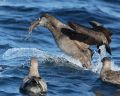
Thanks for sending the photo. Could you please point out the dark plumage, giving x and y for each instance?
(74, 41)
(100, 28)
(33, 84)
(107, 75)
(66, 38)
(98, 35)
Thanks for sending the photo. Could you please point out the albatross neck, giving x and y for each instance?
(106, 67)
(34, 69)
(56, 30)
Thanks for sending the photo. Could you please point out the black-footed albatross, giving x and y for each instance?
(33, 84)
(107, 75)
(98, 35)
(67, 40)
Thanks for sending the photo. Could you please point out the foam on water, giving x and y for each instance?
(20, 52)
(97, 64)
(72, 60)
(42, 55)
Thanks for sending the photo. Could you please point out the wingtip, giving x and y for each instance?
(95, 23)
(70, 23)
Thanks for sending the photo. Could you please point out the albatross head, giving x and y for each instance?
(106, 62)
(34, 61)
(42, 21)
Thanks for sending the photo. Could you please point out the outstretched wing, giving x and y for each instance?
(100, 28)
(95, 38)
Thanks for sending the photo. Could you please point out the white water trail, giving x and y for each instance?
(60, 60)
(27, 52)
(42, 55)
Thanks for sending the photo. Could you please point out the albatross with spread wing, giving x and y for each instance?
(68, 39)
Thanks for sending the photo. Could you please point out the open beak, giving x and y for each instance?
(34, 24)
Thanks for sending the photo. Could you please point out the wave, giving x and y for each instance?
(61, 60)
(20, 52)
(47, 6)
(110, 9)
(42, 55)
(3, 93)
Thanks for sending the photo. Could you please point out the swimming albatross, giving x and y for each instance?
(107, 75)
(33, 84)
(68, 40)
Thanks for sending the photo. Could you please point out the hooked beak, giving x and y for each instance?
(34, 24)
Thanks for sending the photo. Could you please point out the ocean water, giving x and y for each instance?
(63, 74)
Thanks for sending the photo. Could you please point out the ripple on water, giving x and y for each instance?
(62, 73)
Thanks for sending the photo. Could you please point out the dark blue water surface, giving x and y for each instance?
(62, 74)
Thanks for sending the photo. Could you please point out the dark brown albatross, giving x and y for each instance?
(73, 43)
(67, 40)
(33, 84)
(107, 75)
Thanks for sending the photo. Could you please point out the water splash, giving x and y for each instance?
(97, 64)
(42, 55)
(27, 52)
(28, 36)
(61, 60)
(76, 62)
